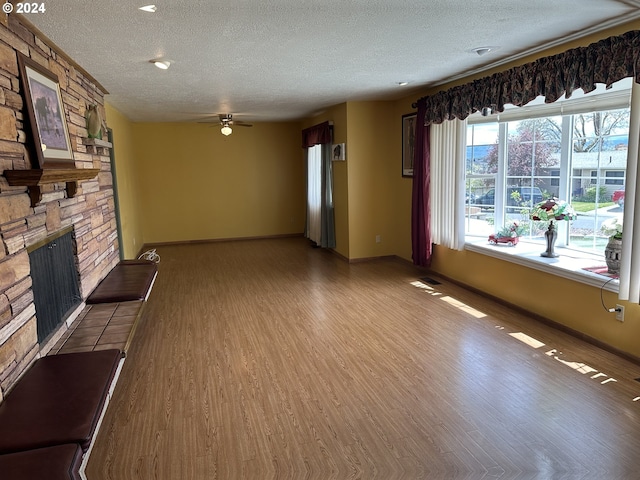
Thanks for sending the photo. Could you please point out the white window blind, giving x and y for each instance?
(448, 147)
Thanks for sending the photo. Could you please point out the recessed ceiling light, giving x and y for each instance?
(402, 84)
(161, 64)
(482, 50)
(148, 8)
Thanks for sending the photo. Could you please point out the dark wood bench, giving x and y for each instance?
(59, 401)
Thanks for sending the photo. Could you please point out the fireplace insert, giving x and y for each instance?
(55, 281)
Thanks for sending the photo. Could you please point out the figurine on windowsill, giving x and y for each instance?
(509, 234)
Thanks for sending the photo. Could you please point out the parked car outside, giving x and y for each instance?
(528, 195)
(618, 197)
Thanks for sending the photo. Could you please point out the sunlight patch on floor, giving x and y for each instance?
(532, 342)
(579, 367)
(464, 307)
(524, 338)
(425, 287)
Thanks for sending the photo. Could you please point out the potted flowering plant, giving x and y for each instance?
(550, 210)
(612, 228)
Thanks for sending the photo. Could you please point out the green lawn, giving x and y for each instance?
(583, 207)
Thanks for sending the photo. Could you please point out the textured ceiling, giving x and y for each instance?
(277, 60)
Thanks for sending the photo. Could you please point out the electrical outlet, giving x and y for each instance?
(620, 313)
(378, 239)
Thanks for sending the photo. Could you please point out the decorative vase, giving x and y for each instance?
(551, 234)
(94, 122)
(612, 253)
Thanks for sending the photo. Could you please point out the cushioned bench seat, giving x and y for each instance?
(59, 400)
(61, 462)
(129, 280)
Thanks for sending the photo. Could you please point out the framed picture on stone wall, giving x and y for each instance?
(47, 119)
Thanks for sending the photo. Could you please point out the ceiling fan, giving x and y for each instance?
(226, 120)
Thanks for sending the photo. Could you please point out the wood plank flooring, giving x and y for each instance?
(268, 359)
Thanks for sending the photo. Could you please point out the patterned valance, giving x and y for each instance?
(606, 61)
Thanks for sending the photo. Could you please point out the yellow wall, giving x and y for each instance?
(196, 184)
(372, 170)
(127, 182)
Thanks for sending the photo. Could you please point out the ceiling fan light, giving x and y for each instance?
(226, 130)
(161, 64)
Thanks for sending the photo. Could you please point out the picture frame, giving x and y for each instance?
(46, 114)
(408, 143)
(338, 152)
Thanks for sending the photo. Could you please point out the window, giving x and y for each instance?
(614, 177)
(513, 164)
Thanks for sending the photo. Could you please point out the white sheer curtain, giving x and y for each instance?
(630, 264)
(314, 193)
(448, 147)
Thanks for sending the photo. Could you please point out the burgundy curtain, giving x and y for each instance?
(420, 195)
(316, 135)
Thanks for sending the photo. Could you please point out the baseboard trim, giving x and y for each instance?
(146, 246)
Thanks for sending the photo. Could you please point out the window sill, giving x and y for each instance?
(570, 264)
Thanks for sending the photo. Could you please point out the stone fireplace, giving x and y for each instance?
(89, 214)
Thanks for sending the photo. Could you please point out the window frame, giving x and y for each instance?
(571, 267)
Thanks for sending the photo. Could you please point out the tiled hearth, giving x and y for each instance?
(102, 326)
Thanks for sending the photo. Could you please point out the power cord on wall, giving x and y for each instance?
(150, 255)
(610, 310)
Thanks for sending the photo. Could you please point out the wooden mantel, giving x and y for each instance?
(35, 178)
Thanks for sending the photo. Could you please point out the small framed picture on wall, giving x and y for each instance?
(338, 153)
(408, 143)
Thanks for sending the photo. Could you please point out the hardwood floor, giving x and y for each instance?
(270, 359)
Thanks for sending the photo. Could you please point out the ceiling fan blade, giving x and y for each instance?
(241, 124)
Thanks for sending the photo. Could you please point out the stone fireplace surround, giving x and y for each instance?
(91, 211)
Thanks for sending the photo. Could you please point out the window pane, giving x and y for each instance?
(599, 160)
(482, 149)
(480, 207)
(534, 150)
(481, 169)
